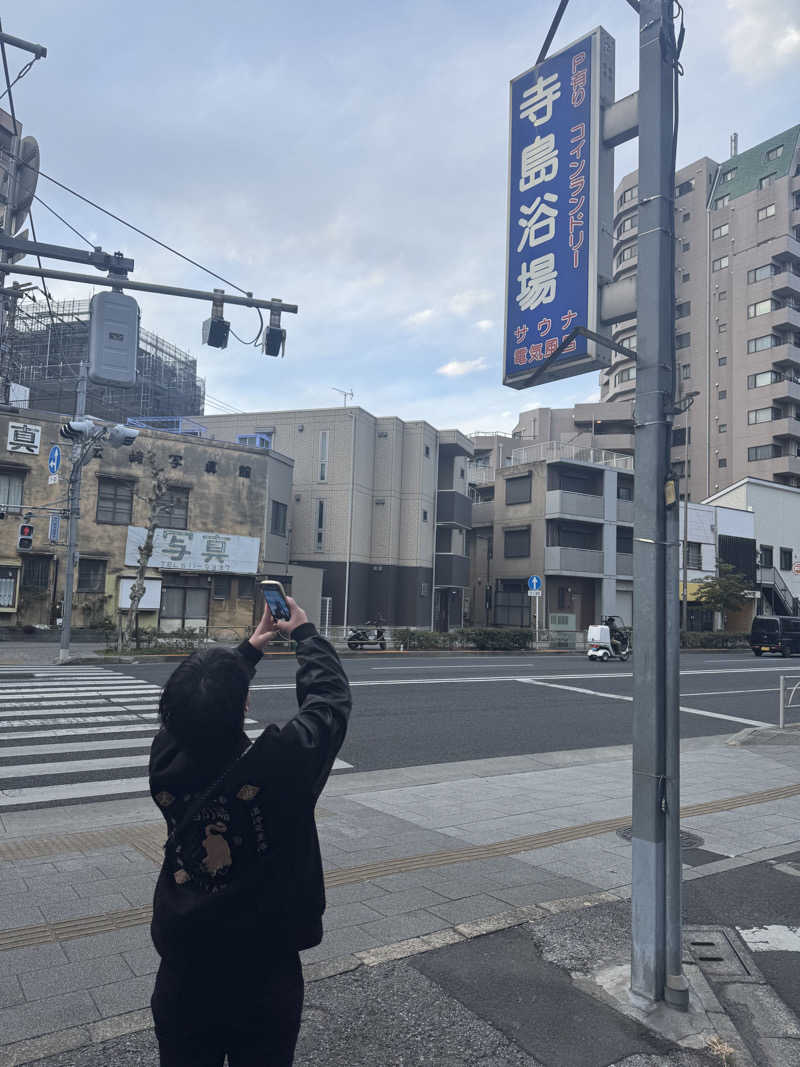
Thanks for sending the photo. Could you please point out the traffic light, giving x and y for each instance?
(25, 540)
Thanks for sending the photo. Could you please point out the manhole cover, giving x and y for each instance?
(687, 840)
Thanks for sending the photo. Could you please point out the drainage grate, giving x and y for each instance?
(718, 955)
(687, 840)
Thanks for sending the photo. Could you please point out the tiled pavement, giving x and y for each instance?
(78, 979)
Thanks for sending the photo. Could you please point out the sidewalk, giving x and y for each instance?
(443, 881)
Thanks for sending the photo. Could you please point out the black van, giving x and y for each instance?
(775, 633)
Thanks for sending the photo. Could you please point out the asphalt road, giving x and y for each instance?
(417, 709)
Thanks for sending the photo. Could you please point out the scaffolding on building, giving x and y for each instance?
(48, 344)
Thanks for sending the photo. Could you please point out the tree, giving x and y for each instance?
(156, 509)
(725, 592)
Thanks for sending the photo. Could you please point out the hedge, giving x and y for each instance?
(483, 639)
(706, 639)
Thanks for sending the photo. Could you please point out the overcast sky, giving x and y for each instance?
(350, 158)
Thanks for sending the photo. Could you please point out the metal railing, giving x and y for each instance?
(771, 577)
(789, 697)
(549, 451)
(480, 475)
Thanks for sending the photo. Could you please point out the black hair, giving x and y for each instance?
(203, 702)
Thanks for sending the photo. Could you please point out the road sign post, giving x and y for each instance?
(535, 591)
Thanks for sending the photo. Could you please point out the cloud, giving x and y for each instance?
(762, 37)
(456, 368)
(484, 324)
(464, 302)
(591, 398)
(420, 317)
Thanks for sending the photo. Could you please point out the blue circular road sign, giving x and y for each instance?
(534, 582)
(54, 459)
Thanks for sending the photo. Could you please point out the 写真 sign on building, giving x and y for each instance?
(560, 211)
(193, 550)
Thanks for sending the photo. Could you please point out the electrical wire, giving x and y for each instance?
(39, 261)
(23, 71)
(61, 219)
(258, 334)
(8, 80)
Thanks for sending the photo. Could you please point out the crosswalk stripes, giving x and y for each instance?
(77, 734)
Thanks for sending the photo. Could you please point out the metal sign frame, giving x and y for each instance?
(560, 364)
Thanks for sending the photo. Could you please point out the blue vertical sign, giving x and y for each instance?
(560, 204)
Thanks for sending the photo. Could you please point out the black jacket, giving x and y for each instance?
(244, 876)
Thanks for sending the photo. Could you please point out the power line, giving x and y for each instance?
(61, 219)
(23, 71)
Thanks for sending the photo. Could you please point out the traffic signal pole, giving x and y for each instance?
(74, 509)
(655, 902)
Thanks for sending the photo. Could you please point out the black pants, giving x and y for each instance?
(254, 1018)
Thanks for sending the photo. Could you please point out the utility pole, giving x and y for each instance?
(655, 681)
(74, 508)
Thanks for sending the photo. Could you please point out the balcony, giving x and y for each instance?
(482, 513)
(453, 508)
(625, 564)
(785, 428)
(785, 318)
(787, 389)
(625, 511)
(559, 560)
(786, 283)
(451, 570)
(480, 475)
(552, 451)
(576, 505)
(614, 442)
(786, 356)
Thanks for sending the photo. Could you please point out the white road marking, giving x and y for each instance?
(629, 699)
(7, 728)
(401, 681)
(83, 731)
(771, 938)
(730, 692)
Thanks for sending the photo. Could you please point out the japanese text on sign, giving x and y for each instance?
(22, 437)
(192, 550)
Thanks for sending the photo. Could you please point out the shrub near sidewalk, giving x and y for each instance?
(706, 639)
(484, 640)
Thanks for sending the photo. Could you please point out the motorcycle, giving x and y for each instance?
(609, 640)
(359, 637)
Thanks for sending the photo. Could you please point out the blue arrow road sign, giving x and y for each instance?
(534, 582)
(54, 459)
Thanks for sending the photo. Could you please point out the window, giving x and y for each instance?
(255, 440)
(762, 307)
(626, 375)
(624, 490)
(694, 555)
(720, 231)
(626, 254)
(222, 587)
(11, 489)
(756, 415)
(774, 153)
(625, 539)
(427, 451)
(245, 472)
(722, 294)
(756, 452)
(722, 361)
(518, 490)
(8, 586)
(722, 427)
(517, 543)
(573, 535)
(629, 342)
(114, 501)
(686, 216)
(758, 344)
(768, 179)
(686, 276)
(719, 264)
(758, 274)
(319, 540)
(722, 462)
(685, 246)
(245, 587)
(683, 309)
(721, 201)
(91, 575)
(722, 328)
(684, 188)
(786, 559)
(683, 340)
(627, 225)
(766, 377)
(686, 370)
(627, 196)
(729, 175)
(323, 455)
(679, 436)
(424, 515)
(722, 394)
(278, 523)
(173, 509)
(765, 557)
(766, 212)
(35, 572)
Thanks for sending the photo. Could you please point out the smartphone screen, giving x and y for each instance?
(278, 607)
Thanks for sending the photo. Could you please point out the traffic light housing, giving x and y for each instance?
(25, 539)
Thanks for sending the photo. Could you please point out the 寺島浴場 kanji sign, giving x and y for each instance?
(560, 206)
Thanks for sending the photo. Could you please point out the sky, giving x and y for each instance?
(350, 158)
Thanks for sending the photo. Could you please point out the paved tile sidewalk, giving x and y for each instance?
(367, 818)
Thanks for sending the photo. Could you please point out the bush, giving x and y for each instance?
(421, 639)
(706, 639)
(496, 640)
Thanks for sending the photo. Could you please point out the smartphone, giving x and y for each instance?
(276, 600)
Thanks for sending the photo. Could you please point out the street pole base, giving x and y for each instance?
(64, 655)
(676, 992)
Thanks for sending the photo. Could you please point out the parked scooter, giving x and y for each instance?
(609, 640)
(363, 637)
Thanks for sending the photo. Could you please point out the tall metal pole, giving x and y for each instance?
(685, 599)
(350, 524)
(654, 394)
(5, 257)
(74, 505)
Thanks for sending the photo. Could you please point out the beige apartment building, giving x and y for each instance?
(737, 315)
(221, 526)
(380, 505)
